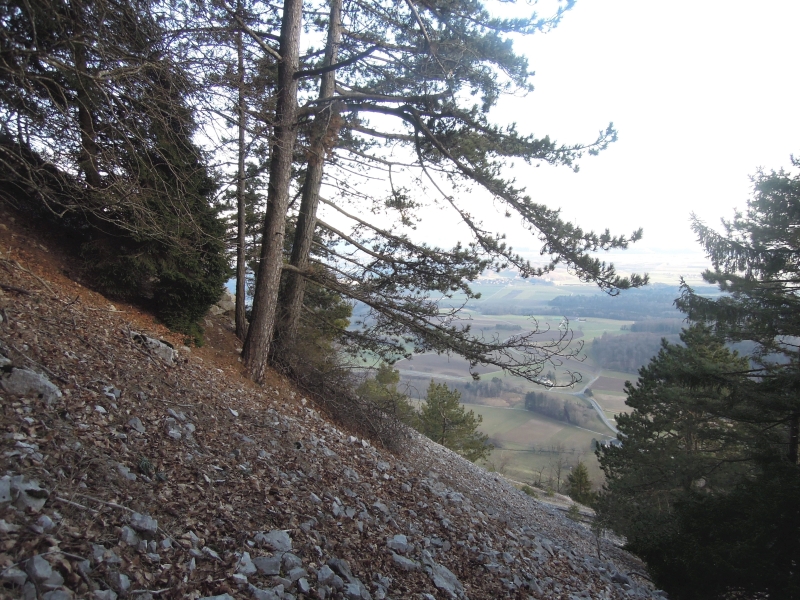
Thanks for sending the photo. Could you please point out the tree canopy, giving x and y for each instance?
(104, 105)
(444, 420)
(404, 81)
(706, 484)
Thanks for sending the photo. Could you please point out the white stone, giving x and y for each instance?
(23, 382)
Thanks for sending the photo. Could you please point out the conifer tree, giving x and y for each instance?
(705, 484)
(445, 421)
(579, 484)
(411, 69)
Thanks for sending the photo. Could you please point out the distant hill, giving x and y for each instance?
(652, 302)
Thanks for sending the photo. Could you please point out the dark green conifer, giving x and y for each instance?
(706, 484)
(445, 421)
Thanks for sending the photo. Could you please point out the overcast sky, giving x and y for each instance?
(701, 92)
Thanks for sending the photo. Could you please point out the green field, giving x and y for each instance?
(527, 443)
(530, 446)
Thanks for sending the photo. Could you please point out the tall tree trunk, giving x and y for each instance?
(241, 261)
(325, 129)
(259, 334)
(794, 437)
(89, 148)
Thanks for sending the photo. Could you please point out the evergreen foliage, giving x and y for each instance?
(415, 82)
(445, 421)
(579, 486)
(706, 484)
(102, 141)
(382, 390)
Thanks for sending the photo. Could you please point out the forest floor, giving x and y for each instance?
(135, 475)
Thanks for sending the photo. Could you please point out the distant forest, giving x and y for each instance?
(561, 409)
(628, 352)
(471, 391)
(665, 326)
(655, 302)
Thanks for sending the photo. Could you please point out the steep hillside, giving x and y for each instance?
(152, 473)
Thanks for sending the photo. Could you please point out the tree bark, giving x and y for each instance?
(259, 336)
(325, 129)
(794, 437)
(89, 148)
(241, 261)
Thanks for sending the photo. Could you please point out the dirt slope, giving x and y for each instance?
(146, 477)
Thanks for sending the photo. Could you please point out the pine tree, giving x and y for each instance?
(705, 484)
(445, 421)
(579, 485)
(382, 391)
(415, 68)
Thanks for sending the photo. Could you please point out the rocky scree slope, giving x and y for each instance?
(130, 469)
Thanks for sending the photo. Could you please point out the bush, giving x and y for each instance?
(372, 408)
(178, 276)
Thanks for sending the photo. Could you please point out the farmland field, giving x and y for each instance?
(432, 364)
(527, 442)
(611, 384)
(529, 446)
(612, 404)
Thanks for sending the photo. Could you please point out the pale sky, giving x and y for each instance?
(701, 92)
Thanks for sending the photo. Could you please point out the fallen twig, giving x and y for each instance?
(11, 288)
(41, 366)
(111, 504)
(76, 505)
(31, 273)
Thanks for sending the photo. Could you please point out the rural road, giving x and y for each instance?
(602, 415)
(598, 409)
(581, 393)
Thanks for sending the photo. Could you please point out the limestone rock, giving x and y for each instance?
(268, 565)
(277, 540)
(246, 566)
(144, 523)
(23, 382)
(398, 543)
(161, 349)
(406, 564)
(129, 536)
(38, 569)
(14, 576)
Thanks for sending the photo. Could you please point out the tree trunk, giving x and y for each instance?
(794, 437)
(259, 335)
(325, 129)
(89, 148)
(241, 261)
